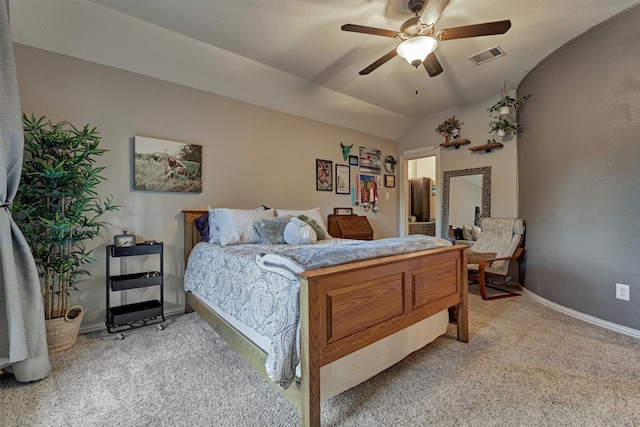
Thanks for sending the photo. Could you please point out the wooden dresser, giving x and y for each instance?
(350, 227)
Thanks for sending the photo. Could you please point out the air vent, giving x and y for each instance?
(487, 55)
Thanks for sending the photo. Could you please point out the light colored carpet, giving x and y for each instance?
(525, 365)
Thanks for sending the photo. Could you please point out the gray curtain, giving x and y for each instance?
(23, 339)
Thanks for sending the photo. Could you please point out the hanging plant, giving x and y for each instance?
(503, 126)
(57, 207)
(508, 102)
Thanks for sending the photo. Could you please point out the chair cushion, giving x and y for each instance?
(500, 236)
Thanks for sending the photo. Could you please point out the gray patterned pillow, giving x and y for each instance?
(271, 230)
(236, 225)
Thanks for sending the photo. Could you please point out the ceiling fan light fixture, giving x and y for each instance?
(416, 49)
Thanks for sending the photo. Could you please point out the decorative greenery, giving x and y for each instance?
(509, 101)
(505, 125)
(449, 125)
(57, 207)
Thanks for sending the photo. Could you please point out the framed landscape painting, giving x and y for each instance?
(161, 165)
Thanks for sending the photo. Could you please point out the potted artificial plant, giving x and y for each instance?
(506, 103)
(449, 127)
(58, 210)
(503, 126)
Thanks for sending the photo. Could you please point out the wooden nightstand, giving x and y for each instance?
(350, 227)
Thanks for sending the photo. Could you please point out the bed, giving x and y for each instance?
(346, 310)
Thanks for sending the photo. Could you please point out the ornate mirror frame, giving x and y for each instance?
(486, 194)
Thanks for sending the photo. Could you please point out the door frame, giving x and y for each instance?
(403, 222)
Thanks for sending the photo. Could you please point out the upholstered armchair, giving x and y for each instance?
(493, 259)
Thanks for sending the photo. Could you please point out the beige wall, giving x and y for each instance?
(475, 119)
(252, 155)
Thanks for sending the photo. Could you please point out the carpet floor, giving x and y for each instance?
(525, 365)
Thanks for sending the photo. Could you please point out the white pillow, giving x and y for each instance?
(298, 232)
(236, 225)
(467, 233)
(475, 230)
(311, 213)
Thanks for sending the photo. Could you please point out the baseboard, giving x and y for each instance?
(584, 317)
(101, 326)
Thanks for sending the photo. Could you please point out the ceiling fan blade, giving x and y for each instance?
(476, 30)
(378, 63)
(369, 30)
(432, 11)
(432, 65)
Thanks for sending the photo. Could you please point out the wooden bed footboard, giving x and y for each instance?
(347, 307)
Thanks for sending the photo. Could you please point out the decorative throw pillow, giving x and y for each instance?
(236, 225)
(202, 225)
(475, 230)
(271, 230)
(314, 224)
(298, 232)
(214, 228)
(311, 213)
(466, 232)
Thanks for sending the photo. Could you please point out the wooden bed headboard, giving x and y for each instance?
(191, 234)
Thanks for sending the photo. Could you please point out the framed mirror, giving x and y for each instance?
(448, 197)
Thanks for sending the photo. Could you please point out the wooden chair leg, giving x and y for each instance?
(483, 288)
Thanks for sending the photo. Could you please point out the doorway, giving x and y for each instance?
(423, 167)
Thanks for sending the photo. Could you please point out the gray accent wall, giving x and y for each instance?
(579, 172)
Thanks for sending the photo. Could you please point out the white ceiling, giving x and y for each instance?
(313, 65)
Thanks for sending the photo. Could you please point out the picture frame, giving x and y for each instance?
(324, 175)
(353, 160)
(389, 180)
(343, 211)
(370, 161)
(161, 165)
(343, 179)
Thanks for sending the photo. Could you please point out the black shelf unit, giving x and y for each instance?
(142, 313)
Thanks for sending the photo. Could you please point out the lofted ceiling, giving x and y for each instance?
(292, 55)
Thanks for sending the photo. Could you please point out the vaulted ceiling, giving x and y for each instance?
(291, 55)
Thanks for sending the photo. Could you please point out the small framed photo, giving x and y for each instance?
(389, 181)
(342, 211)
(324, 175)
(353, 160)
(343, 179)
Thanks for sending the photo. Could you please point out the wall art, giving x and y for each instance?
(343, 179)
(324, 175)
(161, 165)
(370, 160)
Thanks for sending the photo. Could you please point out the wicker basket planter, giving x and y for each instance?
(62, 332)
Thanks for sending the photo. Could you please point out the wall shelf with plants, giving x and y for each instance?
(450, 131)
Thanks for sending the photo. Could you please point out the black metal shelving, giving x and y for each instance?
(128, 316)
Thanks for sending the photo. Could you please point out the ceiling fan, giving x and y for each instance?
(419, 39)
